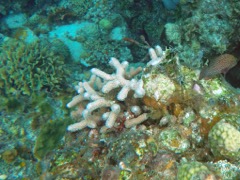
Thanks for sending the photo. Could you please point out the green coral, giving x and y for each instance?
(224, 141)
(29, 68)
(105, 24)
(173, 33)
(188, 117)
(193, 170)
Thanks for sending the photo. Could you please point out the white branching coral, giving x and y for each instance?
(110, 97)
(119, 80)
(93, 96)
(157, 55)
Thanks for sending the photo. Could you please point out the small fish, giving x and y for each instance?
(220, 64)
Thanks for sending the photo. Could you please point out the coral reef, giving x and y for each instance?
(176, 99)
(207, 31)
(141, 115)
(184, 109)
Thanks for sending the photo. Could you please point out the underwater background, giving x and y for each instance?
(130, 89)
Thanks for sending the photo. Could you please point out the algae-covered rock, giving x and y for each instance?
(172, 140)
(50, 135)
(160, 87)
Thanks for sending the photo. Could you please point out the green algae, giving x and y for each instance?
(50, 135)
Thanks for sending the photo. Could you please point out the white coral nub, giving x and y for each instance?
(157, 55)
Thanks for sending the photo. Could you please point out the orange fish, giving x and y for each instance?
(220, 64)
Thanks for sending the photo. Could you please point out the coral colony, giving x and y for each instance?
(100, 84)
(95, 92)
